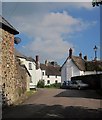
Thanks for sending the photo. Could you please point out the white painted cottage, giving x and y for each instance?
(30, 65)
(77, 66)
(50, 73)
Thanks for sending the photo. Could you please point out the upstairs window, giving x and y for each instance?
(56, 76)
(30, 66)
(48, 76)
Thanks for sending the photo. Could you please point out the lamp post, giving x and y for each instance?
(96, 2)
(95, 49)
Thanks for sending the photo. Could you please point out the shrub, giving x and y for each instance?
(55, 85)
(41, 84)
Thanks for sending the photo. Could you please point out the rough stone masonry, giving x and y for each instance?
(14, 77)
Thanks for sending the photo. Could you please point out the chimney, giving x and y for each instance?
(46, 62)
(70, 52)
(80, 55)
(85, 57)
(37, 62)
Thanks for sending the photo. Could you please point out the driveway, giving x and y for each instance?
(58, 103)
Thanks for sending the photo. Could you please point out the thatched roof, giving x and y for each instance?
(93, 65)
(79, 62)
(84, 65)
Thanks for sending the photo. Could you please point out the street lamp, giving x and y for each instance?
(96, 2)
(95, 49)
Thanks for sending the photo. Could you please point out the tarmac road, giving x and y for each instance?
(58, 103)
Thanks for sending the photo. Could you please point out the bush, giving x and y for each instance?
(55, 85)
(41, 84)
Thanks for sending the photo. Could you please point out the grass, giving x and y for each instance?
(25, 96)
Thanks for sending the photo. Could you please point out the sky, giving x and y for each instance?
(49, 29)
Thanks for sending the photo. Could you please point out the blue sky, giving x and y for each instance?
(49, 29)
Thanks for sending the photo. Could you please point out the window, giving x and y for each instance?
(48, 81)
(56, 76)
(56, 81)
(48, 76)
(30, 66)
(31, 80)
(43, 73)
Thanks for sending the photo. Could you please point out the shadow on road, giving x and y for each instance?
(45, 111)
(91, 94)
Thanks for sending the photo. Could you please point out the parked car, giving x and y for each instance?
(65, 85)
(78, 84)
(75, 84)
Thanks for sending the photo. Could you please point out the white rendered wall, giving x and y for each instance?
(38, 75)
(51, 78)
(32, 72)
(69, 70)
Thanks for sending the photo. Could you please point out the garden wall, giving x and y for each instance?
(94, 81)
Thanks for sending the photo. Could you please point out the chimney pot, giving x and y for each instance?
(37, 58)
(80, 55)
(37, 62)
(85, 57)
(70, 52)
(46, 62)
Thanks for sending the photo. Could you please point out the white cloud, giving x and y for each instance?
(47, 33)
(85, 4)
(47, 0)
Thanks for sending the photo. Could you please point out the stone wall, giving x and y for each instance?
(14, 77)
(0, 57)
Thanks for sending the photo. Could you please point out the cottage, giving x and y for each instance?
(50, 73)
(77, 66)
(32, 66)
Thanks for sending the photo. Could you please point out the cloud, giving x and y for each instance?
(48, 33)
(47, 0)
(47, 29)
(85, 5)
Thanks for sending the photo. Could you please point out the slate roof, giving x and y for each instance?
(4, 24)
(18, 54)
(51, 70)
(85, 65)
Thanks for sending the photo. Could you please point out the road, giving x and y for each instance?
(58, 103)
